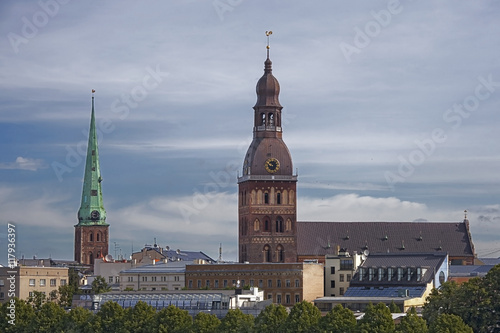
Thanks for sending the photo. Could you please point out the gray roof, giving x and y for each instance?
(321, 238)
(490, 261)
(177, 255)
(160, 268)
(384, 292)
(469, 270)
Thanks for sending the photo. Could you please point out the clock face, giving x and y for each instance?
(95, 215)
(272, 165)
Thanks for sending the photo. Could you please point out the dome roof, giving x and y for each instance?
(263, 149)
(268, 87)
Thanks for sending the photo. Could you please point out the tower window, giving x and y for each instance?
(267, 254)
(266, 198)
(278, 198)
(279, 224)
(280, 253)
(271, 119)
(93, 193)
(91, 237)
(266, 225)
(263, 119)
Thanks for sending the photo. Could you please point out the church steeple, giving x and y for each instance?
(92, 208)
(92, 231)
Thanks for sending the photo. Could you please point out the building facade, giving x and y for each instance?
(155, 277)
(28, 279)
(282, 283)
(339, 270)
(267, 203)
(92, 231)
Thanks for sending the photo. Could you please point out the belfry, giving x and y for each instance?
(267, 188)
(92, 231)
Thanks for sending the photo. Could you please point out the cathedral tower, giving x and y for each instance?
(91, 232)
(267, 188)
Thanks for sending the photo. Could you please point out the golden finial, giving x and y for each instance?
(268, 33)
(93, 90)
(465, 211)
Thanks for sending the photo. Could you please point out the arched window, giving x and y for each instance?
(271, 119)
(263, 119)
(266, 225)
(256, 225)
(280, 253)
(266, 198)
(244, 253)
(267, 254)
(98, 236)
(278, 198)
(288, 225)
(279, 224)
(91, 258)
(91, 237)
(244, 227)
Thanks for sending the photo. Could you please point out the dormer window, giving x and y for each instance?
(400, 273)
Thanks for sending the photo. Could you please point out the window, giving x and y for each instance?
(280, 252)
(52, 282)
(409, 273)
(287, 283)
(278, 198)
(42, 282)
(153, 278)
(419, 274)
(63, 282)
(278, 283)
(224, 284)
(297, 283)
(287, 299)
(117, 279)
(261, 284)
(144, 279)
(110, 279)
(380, 274)
(361, 273)
(371, 273)
(251, 283)
(348, 277)
(332, 270)
(346, 264)
(190, 284)
(332, 284)
(390, 273)
(341, 291)
(279, 224)
(130, 279)
(2, 295)
(341, 278)
(400, 273)
(297, 298)
(270, 296)
(269, 283)
(242, 283)
(278, 298)
(207, 283)
(91, 237)
(32, 282)
(198, 284)
(216, 284)
(266, 198)
(267, 254)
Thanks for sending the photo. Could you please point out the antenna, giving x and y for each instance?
(220, 252)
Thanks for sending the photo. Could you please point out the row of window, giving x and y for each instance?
(390, 274)
(287, 300)
(259, 197)
(341, 279)
(98, 236)
(279, 225)
(43, 282)
(225, 284)
(145, 279)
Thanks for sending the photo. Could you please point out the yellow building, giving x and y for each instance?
(22, 281)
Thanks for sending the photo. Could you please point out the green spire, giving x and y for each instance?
(92, 210)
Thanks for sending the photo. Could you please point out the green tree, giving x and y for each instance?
(172, 319)
(140, 318)
(271, 319)
(236, 321)
(205, 323)
(412, 323)
(49, 318)
(440, 300)
(304, 317)
(24, 314)
(449, 323)
(377, 319)
(338, 320)
(99, 285)
(66, 295)
(79, 320)
(37, 299)
(110, 318)
(394, 308)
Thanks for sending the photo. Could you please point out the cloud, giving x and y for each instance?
(24, 163)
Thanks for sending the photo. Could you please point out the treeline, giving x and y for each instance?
(473, 306)
(303, 317)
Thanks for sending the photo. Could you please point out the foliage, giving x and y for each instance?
(24, 314)
(140, 318)
(49, 318)
(65, 295)
(377, 319)
(236, 321)
(99, 285)
(110, 318)
(449, 323)
(128, 289)
(304, 317)
(74, 280)
(205, 323)
(338, 320)
(271, 319)
(173, 319)
(79, 320)
(394, 308)
(37, 299)
(412, 323)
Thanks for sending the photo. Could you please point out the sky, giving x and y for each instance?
(391, 113)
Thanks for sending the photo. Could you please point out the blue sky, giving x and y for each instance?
(390, 113)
